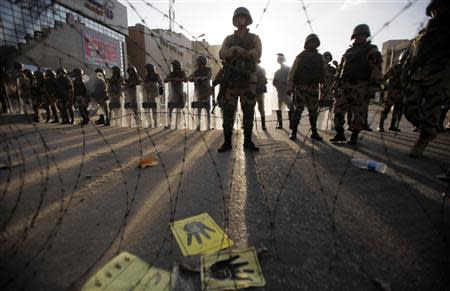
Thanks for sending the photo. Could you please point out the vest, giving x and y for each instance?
(357, 67)
(310, 69)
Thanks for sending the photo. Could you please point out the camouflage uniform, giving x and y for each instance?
(115, 89)
(242, 83)
(359, 77)
(81, 96)
(153, 87)
(177, 96)
(100, 96)
(64, 92)
(426, 75)
(307, 72)
(25, 85)
(39, 96)
(280, 82)
(203, 90)
(50, 89)
(261, 88)
(392, 97)
(131, 84)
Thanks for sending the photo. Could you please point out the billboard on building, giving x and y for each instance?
(101, 50)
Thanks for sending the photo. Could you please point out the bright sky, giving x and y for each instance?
(283, 27)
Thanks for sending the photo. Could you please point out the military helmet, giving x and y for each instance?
(38, 74)
(437, 4)
(115, 69)
(327, 55)
(77, 72)
(150, 67)
(242, 11)
(18, 66)
(176, 64)
(50, 73)
(60, 71)
(100, 70)
(361, 29)
(131, 69)
(312, 37)
(202, 60)
(28, 73)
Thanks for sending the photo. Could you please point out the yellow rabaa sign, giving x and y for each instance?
(128, 272)
(231, 270)
(199, 235)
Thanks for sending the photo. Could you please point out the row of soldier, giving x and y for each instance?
(418, 83)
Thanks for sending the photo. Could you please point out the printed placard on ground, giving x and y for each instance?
(125, 272)
(231, 270)
(199, 235)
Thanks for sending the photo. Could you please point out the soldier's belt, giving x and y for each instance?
(200, 104)
(148, 105)
(173, 104)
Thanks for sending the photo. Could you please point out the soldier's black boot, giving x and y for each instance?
(354, 138)
(381, 125)
(313, 122)
(101, 119)
(293, 135)
(294, 127)
(340, 136)
(263, 123)
(290, 118)
(393, 126)
(226, 146)
(279, 119)
(315, 135)
(248, 143)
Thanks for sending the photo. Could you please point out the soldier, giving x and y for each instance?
(329, 77)
(115, 89)
(392, 97)
(131, 84)
(261, 88)
(280, 82)
(177, 96)
(100, 95)
(64, 91)
(305, 76)
(153, 88)
(241, 51)
(81, 96)
(39, 97)
(50, 89)
(359, 76)
(426, 75)
(202, 81)
(26, 80)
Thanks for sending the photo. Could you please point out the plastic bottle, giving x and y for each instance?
(370, 165)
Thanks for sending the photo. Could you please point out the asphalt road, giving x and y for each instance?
(75, 197)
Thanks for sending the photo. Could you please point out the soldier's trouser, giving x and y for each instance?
(52, 105)
(306, 96)
(248, 102)
(353, 98)
(422, 106)
(62, 106)
(260, 101)
(82, 107)
(396, 113)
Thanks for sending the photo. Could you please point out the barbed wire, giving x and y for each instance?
(262, 14)
(308, 19)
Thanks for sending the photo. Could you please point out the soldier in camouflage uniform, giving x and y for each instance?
(177, 96)
(261, 89)
(26, 80)
(116, 86)
(426, 75)
(280, 82)
(241, 51)
(329, 77)
(305, 77)
(64, 92)
(392, 97)
(50, 89)
(39, 96)
(359, 76)
(100, 96)
(131, 84)
(202, 81)
(80, 95)
(153, 88)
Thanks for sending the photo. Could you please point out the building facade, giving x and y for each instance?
(392, 50)
(64, 33)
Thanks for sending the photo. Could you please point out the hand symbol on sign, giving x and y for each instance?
(197, 229)
(225, 270)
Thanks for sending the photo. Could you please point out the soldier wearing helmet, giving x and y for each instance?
(261, 89)
(305, 77)
(426, 75)
(50, 88)
(202, 81)
(39, 96)
(177, 96)
(241, 51)
(64, 91)
(131, 92)
(280, 82)
(81, 96)
(116, 86)
(329, 77)
(153, 88)
(25, 82)
(359, 77)
(100, 96)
